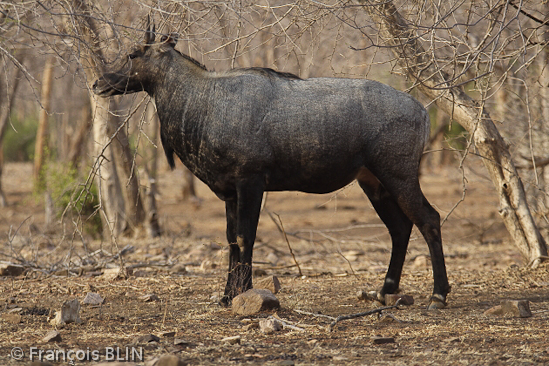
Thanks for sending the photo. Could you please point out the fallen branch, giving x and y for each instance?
(359, 315)
(286, 324)
(315, 314)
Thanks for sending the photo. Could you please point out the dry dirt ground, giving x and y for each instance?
(341, 247)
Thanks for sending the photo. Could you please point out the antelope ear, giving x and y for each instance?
(171, 39)
(150, 32)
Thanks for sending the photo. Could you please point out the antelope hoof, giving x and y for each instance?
(436, 302)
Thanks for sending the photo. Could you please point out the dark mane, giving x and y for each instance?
(192, 60)
(270, 72)
(265, 71)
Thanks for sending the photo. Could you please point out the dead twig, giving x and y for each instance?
(281, 229)
(286, 324)
(315, 314)
(359, 315)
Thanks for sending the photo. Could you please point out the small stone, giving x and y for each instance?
(367, 295)
(150, 298)
(496, 310)
(391, 299)
(170, 360)
(168, 334)
(110, 274)
(12, 318)
(52, 336)
(270, 283)
(512, 308)
(10, 269)
(180, 268)
(254, 301)
(147, 338)
(93, 298)
(180, 342)
(520, 308)
(269, 326)
(69, 313)
(388, 318)
(231, 340)
(383, 340)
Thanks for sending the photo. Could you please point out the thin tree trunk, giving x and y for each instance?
(5, 108)
(152, 224)
(79, 141)
(473, 117)
(135, 214)
(111, 195)
(42, 134)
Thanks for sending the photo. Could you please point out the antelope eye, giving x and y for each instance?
(133, 55)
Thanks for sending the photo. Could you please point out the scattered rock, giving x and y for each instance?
(10, 269)
(168, 334)
(170, 360)
(270, 283)
(383, 340)
(147, 338)
(150, 298)
(52, 336)
(180, 342)
(388, 318)
(110, 274)
(391, 299)
(231, 340)
(520, 308)
(496, 310)
(11, 318)
(253, 301)
(269, 326)
(69, 313)
(93, 298)
(513, 308)
(367, 295)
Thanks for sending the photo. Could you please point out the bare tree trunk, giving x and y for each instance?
(5, 108)
(544, 148)
(473, 117)
(111, 195)
(3, 201)
(152, 224)
(42, 134)
(135, 214)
